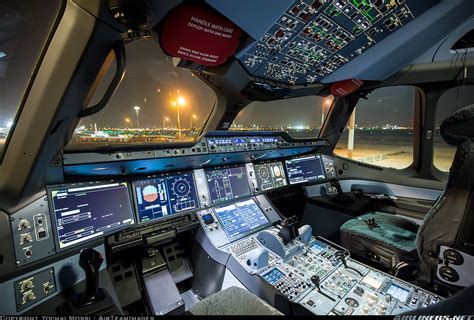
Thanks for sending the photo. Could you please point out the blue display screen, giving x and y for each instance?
(273, 276)
(399, 293)
(87, 210)
(159, 197)
(305, 169)
(227, 184)
(240, 218)
(318, 246)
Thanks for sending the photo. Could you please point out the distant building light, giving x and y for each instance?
(2, 54)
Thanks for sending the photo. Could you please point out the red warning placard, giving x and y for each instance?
(199, 34)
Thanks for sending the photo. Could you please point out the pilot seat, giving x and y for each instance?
(393, 241)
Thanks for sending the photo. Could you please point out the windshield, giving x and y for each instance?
(24, 26)
(156, 102)
(301, 117)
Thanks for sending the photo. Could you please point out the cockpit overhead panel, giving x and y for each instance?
(313, 38)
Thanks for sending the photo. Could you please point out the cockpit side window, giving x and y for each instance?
(381, 129)
(156, 102)
(24, 28)
(301, 117)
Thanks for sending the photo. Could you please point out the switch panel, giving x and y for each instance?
(31, 231)
(329, 167)
(314, 38)
(33, 289)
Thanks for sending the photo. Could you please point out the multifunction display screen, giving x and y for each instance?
(227, 184)
(270, 175)
(398, 292)
(305, 169)
(158, 197)
(86, 211)
(240, 218)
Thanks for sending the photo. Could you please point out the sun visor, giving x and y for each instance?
(345, 87)
(199, 34)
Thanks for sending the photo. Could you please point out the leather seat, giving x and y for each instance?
(233, 301)
(448, 223)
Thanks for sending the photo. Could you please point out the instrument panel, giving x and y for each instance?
(314, 38)
(83, 212)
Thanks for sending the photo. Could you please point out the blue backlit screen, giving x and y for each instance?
(273, 276)
(161, 196)
(240, 218)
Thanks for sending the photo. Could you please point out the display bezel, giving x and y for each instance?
(282, 162)
(309, 180)
(95, 239)
(172, 216)
(206, 170)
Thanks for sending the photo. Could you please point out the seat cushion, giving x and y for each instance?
(233, 301)
(390, 240)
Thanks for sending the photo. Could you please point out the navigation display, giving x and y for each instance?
(159, 197)
(240, 218)
(305, 169)
(270, 175)
(89, 210)
(227, 184)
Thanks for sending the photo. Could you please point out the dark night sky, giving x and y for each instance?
(148, 70)
(151, 82)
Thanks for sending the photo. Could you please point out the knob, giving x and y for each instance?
(26, 238)
(27, 285)
(23, 224)
(28, 296)
(47, 287)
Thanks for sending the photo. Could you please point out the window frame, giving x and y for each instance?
(418, 105)
(56, 18)
(76, 148)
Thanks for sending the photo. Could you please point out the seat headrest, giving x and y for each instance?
(458, 127)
